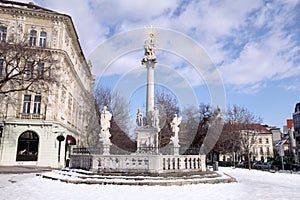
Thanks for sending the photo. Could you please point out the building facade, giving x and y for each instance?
(38, 127)
(255, 141)
(260, 140)
(296, 119)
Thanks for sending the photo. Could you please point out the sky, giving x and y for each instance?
(254, 46)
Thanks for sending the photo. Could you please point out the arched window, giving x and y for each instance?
(32, 37)
(28, 145)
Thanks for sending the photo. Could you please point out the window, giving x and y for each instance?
(43, 36)
(268, 151)
(32, 38)
(37, 105)
(26, 103)
(261, 150)
(40, 70)
(260, 140)
(296, 119)
(28, 145)
(29, 70)
(267, 140)
(3, 33)
(1, 67)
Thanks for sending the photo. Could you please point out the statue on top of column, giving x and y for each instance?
(150, 48)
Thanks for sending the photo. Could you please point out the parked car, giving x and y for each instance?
(243, 164)
(225, 163)
(295, 167)
(277, 165)
(261, 165)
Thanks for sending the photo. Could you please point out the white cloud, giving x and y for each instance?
(268, 55)
(251, 41)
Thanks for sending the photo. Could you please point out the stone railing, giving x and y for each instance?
(182, 163)
(148, 163)
(152, 162)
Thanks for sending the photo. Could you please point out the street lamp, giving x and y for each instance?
(281, 153)
(60, 138)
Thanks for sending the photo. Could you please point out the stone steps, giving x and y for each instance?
(81, 177)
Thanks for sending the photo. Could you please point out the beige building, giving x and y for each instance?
(256, 139)
(260, 140)
(39, 128)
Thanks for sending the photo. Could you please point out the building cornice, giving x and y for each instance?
(49, 123)
(50, 15)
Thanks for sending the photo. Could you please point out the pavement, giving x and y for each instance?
(23, 169)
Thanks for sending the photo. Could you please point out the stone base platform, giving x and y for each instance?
(167, 179)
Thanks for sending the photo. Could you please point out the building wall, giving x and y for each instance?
(260, 141)
(64, 106)
(296, 118)
(263, 147)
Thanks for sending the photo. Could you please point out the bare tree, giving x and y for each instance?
(23, 67)
(189, 126)
(195, 126)
(93, 124)
(168, 106)
(240, 132)
(229, 141)
(120, 123)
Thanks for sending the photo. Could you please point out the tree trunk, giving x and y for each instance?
(249, 161)
(233, 159)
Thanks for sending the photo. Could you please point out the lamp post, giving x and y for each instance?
(281, 153)
(60, 138)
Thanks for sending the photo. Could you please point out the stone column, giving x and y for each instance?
(150, 87)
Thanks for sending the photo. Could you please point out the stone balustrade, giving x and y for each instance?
(148, 163)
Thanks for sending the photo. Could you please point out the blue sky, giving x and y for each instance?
(254, 44)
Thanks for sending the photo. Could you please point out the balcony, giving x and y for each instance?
(31, 116)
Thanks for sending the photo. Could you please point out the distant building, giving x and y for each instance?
(296, 119)
(276, 133)
(38, 128)
(288, 134)
(276, 137)
(259, 141)
(262, 148)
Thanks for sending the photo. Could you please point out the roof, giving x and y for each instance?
(28, 6)
(251, 127)
(35, 8)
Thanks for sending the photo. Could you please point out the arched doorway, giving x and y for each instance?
(28, 145)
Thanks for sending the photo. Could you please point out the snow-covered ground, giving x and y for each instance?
(251, 185)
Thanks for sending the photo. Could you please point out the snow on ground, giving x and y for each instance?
(251, 184)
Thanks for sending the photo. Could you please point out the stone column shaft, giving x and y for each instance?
(150, 87)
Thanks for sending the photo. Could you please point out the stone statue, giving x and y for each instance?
(155, 117)
(216, 116)
(175, 129)
(150, 48)
(139, 118)
(105, 124)
(175, 123)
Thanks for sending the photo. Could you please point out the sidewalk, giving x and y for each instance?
(22, 169)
